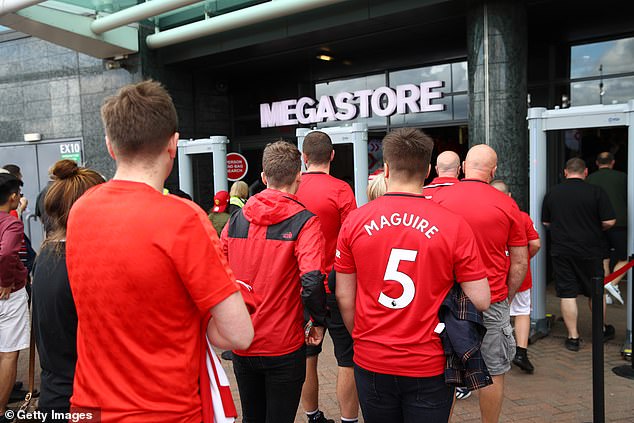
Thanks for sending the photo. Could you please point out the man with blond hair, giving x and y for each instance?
(145, 269)
(499, 230)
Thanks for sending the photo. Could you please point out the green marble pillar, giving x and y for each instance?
(496, 55)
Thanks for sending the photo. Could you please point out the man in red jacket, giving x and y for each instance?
(275, 245)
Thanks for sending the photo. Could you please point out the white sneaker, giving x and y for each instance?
(608, 299)
(614, 291)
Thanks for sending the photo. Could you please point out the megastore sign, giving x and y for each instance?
(344, 106)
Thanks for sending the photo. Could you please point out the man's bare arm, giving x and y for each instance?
(517, 271)
(478, 292)
(346, 294)
(533, 247)
(230, 326)
(607, 224)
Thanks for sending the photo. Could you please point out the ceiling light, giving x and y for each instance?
(325, 57)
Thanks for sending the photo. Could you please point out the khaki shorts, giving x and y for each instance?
(498, 345)
(14, 322)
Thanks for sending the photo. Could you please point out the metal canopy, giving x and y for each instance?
(109, 28)
(69, 26)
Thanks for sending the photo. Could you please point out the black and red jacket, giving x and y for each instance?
(275, 245)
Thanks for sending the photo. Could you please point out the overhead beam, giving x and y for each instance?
(10, 6)
(240, 18)
(137, 13)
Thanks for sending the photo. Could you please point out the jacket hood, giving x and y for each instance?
(270, 207)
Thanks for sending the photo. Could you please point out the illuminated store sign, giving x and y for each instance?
(383, 101)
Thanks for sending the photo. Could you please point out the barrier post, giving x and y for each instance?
(598, 388)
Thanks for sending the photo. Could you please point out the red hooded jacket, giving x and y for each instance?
(275, 245)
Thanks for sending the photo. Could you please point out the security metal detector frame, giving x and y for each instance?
(357, 135)
(541, 120)
(217, 146)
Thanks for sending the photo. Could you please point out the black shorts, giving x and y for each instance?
(341, 339)
(617, 243)
(573, 275)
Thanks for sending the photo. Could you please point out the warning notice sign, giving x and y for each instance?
(237, 166)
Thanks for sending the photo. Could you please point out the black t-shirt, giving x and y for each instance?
(55, 327)
(575, 210)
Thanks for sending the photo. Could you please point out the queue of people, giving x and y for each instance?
(416, 288)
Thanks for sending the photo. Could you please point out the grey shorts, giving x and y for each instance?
(498, 345)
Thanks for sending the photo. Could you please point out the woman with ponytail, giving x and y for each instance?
(54, 314)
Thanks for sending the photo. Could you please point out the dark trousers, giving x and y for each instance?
(270, 387)
(389, 398)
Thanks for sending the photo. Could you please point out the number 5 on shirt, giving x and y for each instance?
(392, 274)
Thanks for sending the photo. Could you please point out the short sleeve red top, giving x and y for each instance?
(437, 184)
(496, 222)
(331, 199)
(531, 235)
(144, 268)
(406, 252)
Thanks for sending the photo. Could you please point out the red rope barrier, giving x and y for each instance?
(609, 278)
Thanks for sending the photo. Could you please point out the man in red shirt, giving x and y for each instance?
(447, 169)
(145, 269)
(521, 304)
(501, 237)
(397, 259)
(14, 311)
(276, 246)
(331, 199)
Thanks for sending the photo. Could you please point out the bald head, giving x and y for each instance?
(448, 164)
(481, 163)
(500, 185)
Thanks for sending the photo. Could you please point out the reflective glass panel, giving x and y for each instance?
(418, 75)
(415, 119)
(616, 90)
(460, 107)
(460, 77)
(616, 56)
(333, 88)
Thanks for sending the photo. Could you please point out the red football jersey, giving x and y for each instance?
(438, 183)
(496, 222)
(406, 252)
(144, 268)
(531, 234)
(331, 199)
